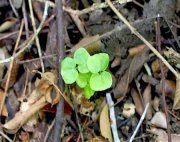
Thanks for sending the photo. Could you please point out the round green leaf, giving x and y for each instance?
(104, 60)
(81, 56)
(101, 81)
(83, 79)
(68, 70)
(88, 92)
(82, 68)
(94, 64)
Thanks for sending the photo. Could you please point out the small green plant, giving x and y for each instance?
(89, 72)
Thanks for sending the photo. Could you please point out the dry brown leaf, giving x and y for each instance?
(22, 117)
(170, 88)
(8, 24)
(135, 50)
(116, 62)
(163, 137)
(86, 107)
(159, 120)
(176, 104)
(91, 44)
(105, 126)
(137, 63)
(147, 99)
(98, 139)
(138, 101)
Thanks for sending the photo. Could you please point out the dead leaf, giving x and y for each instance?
(162, 135)
(86, 107)
(8, 24)
(91, 44)
(105, 126)
(159, 120)
(176, 104)
(116, 62)
(147, 99)
(138, 101)
(98, 139)
(170, 88)
(137, 63)
(22, 117)
(156, 103)
(135, 50)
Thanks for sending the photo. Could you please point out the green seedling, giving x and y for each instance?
(88, 72)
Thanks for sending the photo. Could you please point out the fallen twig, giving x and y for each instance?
(158, 44)
(112, 117)
(5, 136)
(59, 119)
(36, 38)
(140, 122)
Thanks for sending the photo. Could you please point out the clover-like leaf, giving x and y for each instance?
(81, 56)
(100, 81)
(68, 70)
(88, 92)
(94, 64)
(104, 60)
(83, 79)
(82, 68)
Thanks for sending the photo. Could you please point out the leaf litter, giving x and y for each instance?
(31, 96)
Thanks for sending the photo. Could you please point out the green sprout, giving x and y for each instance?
(89, 72)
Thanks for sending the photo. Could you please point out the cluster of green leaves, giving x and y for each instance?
(89, 72)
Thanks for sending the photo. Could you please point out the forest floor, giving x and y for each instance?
(131, 93)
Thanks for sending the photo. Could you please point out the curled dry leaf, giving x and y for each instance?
(8, 24)
(176, 104)
(138, 101)
(105, 126)
(137, 63)
(135, 50)
(147, 99)
(170, 88)
(128, 110)
(159, 120)
(163, 137)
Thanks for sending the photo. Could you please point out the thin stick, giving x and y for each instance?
(135, 32)
(158, 43)
(10, 68)
(31, 40)
(36, 59)
(25, 19)
(94, 7)
(49, 130)
(36, 38)
(5, 136)
(140, 122)
(13, 8)
(59, 119)
(112, 117)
